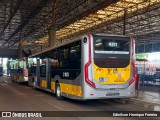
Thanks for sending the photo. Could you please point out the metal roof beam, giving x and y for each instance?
(92, 10)
(31, 15)
(12, 15)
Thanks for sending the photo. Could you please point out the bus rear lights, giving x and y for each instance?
(91, 94)
(132, 92)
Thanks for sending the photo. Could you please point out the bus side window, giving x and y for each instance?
(64, 58)
(54, 59)
(42, 69)
(75, 55)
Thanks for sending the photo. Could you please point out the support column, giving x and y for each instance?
(1, 62)
(52, 30)
(124, 22)
(52, 36)
(8, 66)
(20, 51)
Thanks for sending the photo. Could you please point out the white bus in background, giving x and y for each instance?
(19, 70)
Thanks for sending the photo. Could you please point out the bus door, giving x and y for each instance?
(48, 73)
(37, 80)
(75, 67)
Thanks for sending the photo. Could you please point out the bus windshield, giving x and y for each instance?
(110, 46)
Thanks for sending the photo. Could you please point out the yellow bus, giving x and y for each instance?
(94, 66)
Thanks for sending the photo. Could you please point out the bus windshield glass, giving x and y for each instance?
(110, 46)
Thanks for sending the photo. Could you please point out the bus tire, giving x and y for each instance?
(58, 92)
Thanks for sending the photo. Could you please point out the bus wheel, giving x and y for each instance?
(58, 92)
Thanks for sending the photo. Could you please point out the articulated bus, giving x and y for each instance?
(19, 70)
(91, 67)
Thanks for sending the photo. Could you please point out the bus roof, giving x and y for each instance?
(102, 34)
(51, 48)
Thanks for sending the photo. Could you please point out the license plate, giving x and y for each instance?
(112, 94)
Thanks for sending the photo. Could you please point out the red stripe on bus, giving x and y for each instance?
(132, 63)
(87, 65)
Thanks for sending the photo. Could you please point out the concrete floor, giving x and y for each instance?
(18, 97)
